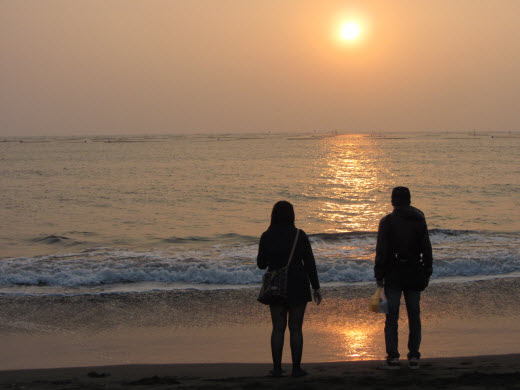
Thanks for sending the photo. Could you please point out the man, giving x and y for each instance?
(403, 265)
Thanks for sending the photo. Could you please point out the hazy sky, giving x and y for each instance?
(180, 66)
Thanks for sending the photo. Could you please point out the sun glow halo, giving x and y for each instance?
(349, 31)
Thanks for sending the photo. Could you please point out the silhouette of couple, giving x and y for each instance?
(403, 246)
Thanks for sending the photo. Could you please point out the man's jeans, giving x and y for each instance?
(412, 298)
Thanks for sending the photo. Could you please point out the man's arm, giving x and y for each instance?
(426, 250)
(382, 250)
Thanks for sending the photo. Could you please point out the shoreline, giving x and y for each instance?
(467, 319)
(476, 372)
(163, 287)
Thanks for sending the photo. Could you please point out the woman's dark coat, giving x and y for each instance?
(273, 252)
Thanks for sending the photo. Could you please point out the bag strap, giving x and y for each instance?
(293, 248)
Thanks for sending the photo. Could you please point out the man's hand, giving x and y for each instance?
(317, 296)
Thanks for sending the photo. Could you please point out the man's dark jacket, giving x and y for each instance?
(402, 234)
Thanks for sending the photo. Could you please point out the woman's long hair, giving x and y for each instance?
(282, 214)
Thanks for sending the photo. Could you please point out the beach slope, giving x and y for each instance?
(478, 372)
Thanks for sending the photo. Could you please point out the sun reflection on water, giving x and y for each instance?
(352, 187)
(355, 343)
(347, 329)
(358, 341)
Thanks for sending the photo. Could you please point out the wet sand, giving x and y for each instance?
(478, 372)
(205, 327)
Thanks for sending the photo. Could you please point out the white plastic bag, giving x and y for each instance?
(378, 302)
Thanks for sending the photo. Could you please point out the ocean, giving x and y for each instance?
(142, 249)
(136, 213)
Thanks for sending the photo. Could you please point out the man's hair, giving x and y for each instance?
(283, 214)
(401, 196)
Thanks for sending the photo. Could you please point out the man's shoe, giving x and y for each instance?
(391, 364)
(413, 363)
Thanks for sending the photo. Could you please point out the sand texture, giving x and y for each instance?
(480, 372)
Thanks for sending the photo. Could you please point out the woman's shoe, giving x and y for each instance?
(276, 373)
(297, 372)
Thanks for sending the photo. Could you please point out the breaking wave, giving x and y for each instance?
(345, 257)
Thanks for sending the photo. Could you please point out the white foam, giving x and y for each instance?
(344, 260)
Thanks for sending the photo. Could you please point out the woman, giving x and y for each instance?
(273, 252)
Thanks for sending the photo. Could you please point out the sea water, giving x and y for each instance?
(122, 213)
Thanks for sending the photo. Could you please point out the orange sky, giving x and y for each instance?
(134, 66)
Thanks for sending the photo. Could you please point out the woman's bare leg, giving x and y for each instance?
(279, 319)
(296, 314)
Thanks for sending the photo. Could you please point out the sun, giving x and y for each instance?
(349, 31)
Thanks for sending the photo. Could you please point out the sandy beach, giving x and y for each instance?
(478, 372)
(211, 327)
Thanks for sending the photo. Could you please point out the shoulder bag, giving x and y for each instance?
(274, 283)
